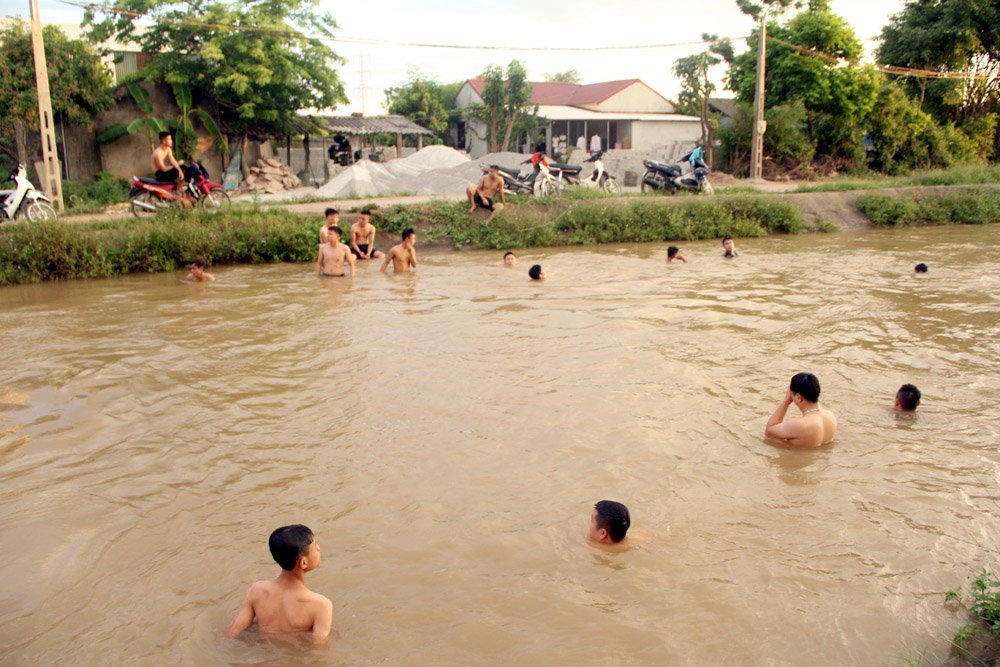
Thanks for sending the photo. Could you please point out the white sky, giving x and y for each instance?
(587, 24)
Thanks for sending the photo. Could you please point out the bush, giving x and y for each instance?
(96, 195)
(974, 207)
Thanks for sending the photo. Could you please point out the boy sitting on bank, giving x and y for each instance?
(284, 605)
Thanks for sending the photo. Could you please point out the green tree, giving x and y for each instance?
(950, 35)
(505, 101)
(696, 88)
(426, 102)
(78, 83)
(252, 60)
(837, 94)
(569, 76)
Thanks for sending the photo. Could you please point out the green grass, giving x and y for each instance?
(93, 196)
(974, 207)
(31, 252)
(967, 174)
(981, 635)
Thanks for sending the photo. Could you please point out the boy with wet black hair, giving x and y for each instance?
(674, 253)
(198, 274)
(609, 522)
(729, 247)
(817, 425)
(332, 220)
(509, 259)
(907, 399)
(920, 268)
(284, 605)
(536, 272)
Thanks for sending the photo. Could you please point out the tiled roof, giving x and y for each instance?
(567, 94)
(373, 125)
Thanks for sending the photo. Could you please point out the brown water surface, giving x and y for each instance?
(446, 433)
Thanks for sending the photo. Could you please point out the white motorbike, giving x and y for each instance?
(24, 199)
(598, 179)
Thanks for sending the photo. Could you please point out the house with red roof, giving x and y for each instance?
(625, 114)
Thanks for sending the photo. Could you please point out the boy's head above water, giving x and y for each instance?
(294, 547)
(907, 398)
(609, 522)
(536, 272)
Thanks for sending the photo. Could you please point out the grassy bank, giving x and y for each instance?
(55, 250)
(968, 174)
(582, 221)
(977, 207)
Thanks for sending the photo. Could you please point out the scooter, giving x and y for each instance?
(690, 174)
(599, 179)
(150, 196)
(539, 182)
(24, 199)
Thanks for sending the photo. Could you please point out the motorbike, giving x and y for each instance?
(150, 196)
(539, 182)
(599, 179)
(24, 199)
(690, 174)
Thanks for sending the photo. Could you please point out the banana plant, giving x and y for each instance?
(150, 123)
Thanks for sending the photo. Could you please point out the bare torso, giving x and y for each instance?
(279, 609)
(815, 429)
(489, 185)
(362, 234)
(402, 258)
(163, 156)
(331, 259)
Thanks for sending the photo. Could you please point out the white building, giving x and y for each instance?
(624, 114)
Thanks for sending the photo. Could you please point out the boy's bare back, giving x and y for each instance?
(281, 609)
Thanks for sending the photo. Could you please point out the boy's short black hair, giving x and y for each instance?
(535, 272)
(920, 268)
(407, 233)
(805, 385)
(509, 252)
(726, 238)
(366, 211)
(289, 543)
(163, 135)
(336, 230)
(908, 397)
(613, 517)
(672, 250)
(331, 211)
(199, 263)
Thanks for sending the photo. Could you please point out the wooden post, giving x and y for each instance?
(288, 150)
(51, 176)
(399, 145)
(759, 124)
(420, 142)
(305, 147)
(326, 162)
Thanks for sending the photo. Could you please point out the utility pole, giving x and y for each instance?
(759, 124)
(52, 175)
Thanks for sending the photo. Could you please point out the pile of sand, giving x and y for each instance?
(434, 170)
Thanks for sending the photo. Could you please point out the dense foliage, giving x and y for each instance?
(975, 207)
(426, 102)
(78, 82)
(506, 101)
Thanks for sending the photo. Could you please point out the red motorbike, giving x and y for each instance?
(150, 196)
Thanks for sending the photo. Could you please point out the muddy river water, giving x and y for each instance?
(446, 434)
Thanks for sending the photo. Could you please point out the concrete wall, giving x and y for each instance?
(637, 98)
(132, 154)
(651, 136)
(80, 152)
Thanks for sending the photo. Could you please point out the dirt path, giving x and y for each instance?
(836, 207)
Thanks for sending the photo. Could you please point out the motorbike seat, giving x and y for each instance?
(508, 171)
(566, 168)
(153, 181)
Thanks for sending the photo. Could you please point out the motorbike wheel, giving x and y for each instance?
(145, 205)
(706, 187)
(644, 186)
(611, 186)
(546, 188)
(216, 199)
(40, 210)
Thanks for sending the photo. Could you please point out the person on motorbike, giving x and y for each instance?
(537, 158)
(167, 169)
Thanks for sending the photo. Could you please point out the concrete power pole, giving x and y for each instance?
(759, 124)
(51, 176)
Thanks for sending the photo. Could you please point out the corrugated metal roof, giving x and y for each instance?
(555, 93)
(366, 124)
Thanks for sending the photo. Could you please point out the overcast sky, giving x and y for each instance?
(514, 24)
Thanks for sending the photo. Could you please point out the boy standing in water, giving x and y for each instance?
(284, 605)
(817, 425)
(198, 273)
(332, 254)
(674, 253)
(729, 248)
(402, 255)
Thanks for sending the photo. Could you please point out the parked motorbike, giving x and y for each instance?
(598, 179)
(690, 174)
(538, 182)
(150, 196)
(24, 199)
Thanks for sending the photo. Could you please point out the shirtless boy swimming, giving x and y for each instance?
(817, 425)
(198, 273)
(332, 254)
(609, 522)
(402, 255)
(363, 238)
(284, 605)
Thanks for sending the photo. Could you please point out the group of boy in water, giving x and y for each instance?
(285, 605)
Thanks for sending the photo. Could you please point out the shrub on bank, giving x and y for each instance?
(976, 207)
(592, 220)
(30, 252)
